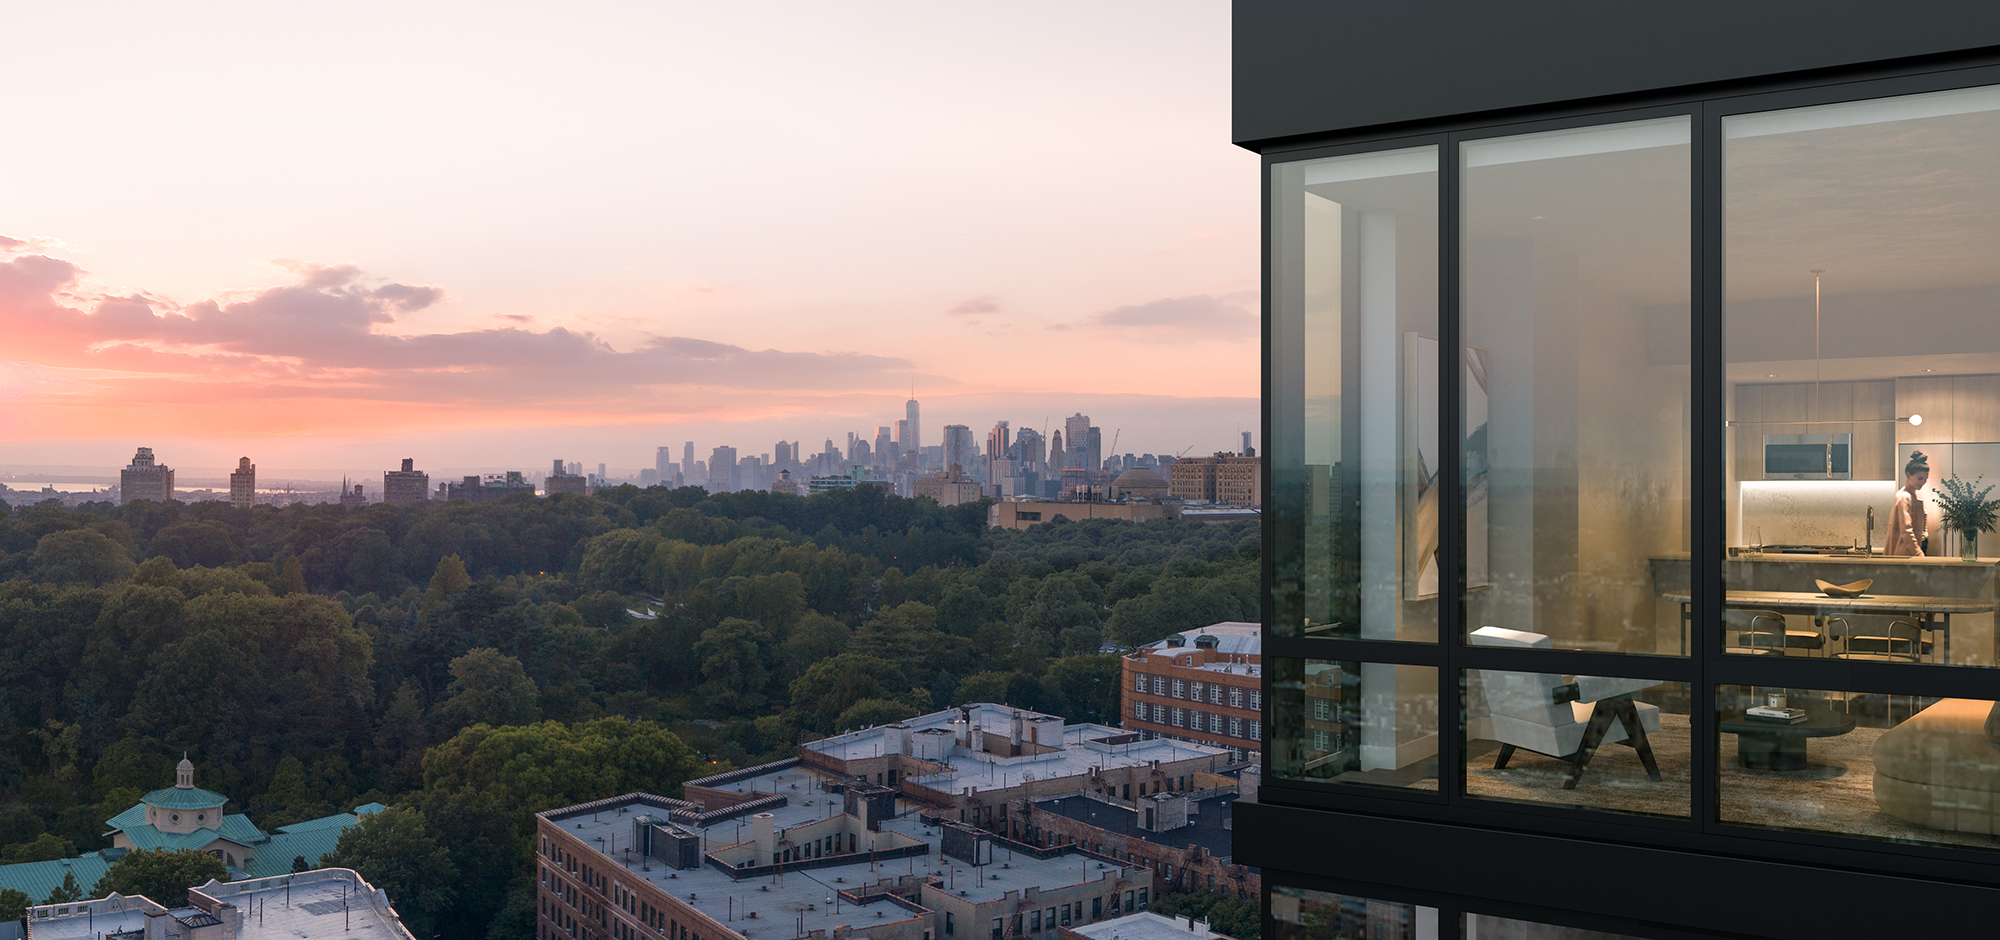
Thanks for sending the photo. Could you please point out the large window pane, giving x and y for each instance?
(1353, 396)
(1575, 281)
(1596, 742)
(1893, 767)
(1373, 724)
(1304, 914)
(1860, 290)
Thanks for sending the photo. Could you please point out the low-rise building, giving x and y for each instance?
(489, 489)
(326, 902)
(561, 481)
(1021, 514)
(185, 816)
(907, 831)
(1222, 478)
(951, 487)
(408, 485)
(1199, 685)
(1144, 925)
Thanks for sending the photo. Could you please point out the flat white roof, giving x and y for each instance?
(1146, 925)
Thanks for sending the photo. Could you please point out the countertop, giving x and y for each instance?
(1940, 561)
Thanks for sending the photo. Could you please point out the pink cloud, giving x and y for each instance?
(323, 336)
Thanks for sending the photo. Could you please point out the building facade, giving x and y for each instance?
(145, 479)
(561, 481)
(910, 831)
(1593, 344)
(1205, 686)
(243, 484)
(1221, 478)
(408, 485)
(950, 487)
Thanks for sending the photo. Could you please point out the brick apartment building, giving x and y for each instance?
(1222, 478)
(909, 831)
(1202, 686)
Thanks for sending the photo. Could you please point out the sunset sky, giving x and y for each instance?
(491, 234)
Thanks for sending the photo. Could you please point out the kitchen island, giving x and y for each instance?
(1960, 586)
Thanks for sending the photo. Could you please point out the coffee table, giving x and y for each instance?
(1776, 745)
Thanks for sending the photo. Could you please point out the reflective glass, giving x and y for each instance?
(1575, 281)
(1893, 767)
(1353, 396)
(1373, 724)
(1862, 379)
(1490, 927)
(1302, 914)
(1594, 742)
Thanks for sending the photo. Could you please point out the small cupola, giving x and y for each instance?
(184, 774)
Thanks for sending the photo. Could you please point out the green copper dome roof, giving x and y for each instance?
(184, 798)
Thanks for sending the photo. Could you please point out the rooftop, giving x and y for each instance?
(1208, 821)
(329, 902)
(1147, 925)
(1068, 750)
(788, 904)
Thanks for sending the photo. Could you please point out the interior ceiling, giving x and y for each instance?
(1882, 208)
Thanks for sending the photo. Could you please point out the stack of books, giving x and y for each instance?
(1771, 713)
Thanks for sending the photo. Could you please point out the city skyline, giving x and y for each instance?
(362, 255)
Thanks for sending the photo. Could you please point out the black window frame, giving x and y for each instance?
(1706, 667)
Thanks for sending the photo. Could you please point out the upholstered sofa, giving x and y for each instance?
(1941, 768)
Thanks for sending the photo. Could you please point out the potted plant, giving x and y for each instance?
(1968, 511)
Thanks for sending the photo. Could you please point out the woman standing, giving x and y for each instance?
(1909, 525)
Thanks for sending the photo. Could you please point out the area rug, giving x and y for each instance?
(1834, 793)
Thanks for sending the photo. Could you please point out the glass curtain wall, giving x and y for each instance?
(1575, 328)
(1862, 394)
(1575, 280)
(1354, 461)
(1354, 396)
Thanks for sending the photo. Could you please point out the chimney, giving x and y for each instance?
(763, 827)
(409, 464)
(1015, 737)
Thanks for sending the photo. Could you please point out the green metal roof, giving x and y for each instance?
(275, 857)
(237, 829)
(37, 879)
(184, 798)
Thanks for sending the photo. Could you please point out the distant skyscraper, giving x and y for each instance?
(722, 470)
(916, 439)
(1076, 430)
(144, 479)
(1093, 449)
(408, 485)
(1058, 458)
(1030, 448)
(243, 485)
(903, 437)
(1247, 451)
(782, 455)
(663, 462)
(958, 447)
(884, 444)
(688, 471)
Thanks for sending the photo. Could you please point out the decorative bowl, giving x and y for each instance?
(1850, 589)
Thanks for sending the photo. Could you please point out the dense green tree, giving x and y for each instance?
(65, 893)
(832, 686)
(488, 686)
(164, 875)
(870, 712)
(395, 851)
(14, 904)
(46, 847)
(735, 660)
(81, 555)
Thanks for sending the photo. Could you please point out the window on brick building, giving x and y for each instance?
(1235, 727)
(1256, 700)
(1180, 689)
(1176, 722)
(1196, 692)
(1214, 694)
(1235, 698)
(1138, 683)
(1159, 685)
